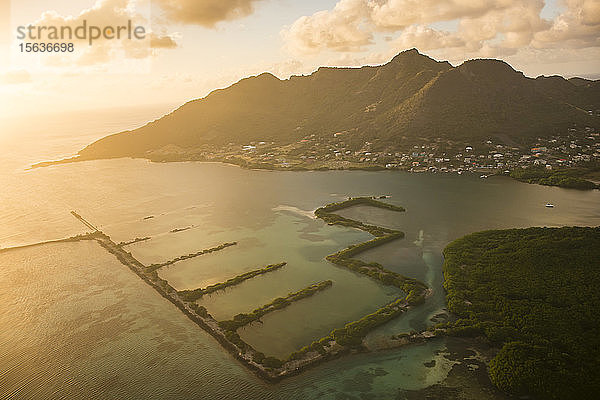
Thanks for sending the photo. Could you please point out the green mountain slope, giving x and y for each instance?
(412, 95)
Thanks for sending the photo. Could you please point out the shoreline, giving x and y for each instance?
(268, 167)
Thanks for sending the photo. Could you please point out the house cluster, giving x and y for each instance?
(418, 154)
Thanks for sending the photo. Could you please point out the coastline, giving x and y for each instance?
(368, 167)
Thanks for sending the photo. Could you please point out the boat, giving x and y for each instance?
(549, 205)
(483, 176)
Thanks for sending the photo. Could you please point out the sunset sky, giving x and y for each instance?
(195, 46)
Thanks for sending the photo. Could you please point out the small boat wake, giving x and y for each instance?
(420, 239)
(295, 210)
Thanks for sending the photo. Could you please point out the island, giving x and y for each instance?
(533, 294)
(412, 114)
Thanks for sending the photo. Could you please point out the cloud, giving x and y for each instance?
(110, 42)
(426, 38)
(115, 13)
(577, 27)
(206, 12)
(398, 14)
(15, 77)
(340, 29)
(162, 41)
(489, 28)
(351, 24)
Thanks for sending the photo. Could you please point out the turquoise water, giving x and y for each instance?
(77, 324)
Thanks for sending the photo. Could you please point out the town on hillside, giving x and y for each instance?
(313, 152)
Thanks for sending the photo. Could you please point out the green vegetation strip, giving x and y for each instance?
(571, 178)
(154, 267)
(352, 334)
(136, 240)
(534, 293)
(281, 302)
(230, 327)
(326, 213)
(193, 295)
(344, 258)
(339, 340)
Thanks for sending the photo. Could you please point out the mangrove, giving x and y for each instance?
(196, 294)
(154, 267)
(281, 302)
(533, 293)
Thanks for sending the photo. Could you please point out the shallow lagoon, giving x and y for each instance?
(224, 203)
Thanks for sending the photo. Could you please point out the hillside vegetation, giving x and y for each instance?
(412, 96)
(570, 178)
(534, 293)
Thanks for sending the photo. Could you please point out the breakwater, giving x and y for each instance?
(341, 341)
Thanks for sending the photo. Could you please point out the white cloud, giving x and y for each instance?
(117, 13)
(398, 14)
(577, 27)
(206, 12)
(425, 38)
(110, 43)
(340, 29)
(489, 28)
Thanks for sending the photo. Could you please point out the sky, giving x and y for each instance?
(191, 47)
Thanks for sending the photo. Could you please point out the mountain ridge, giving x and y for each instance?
(411, 96)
